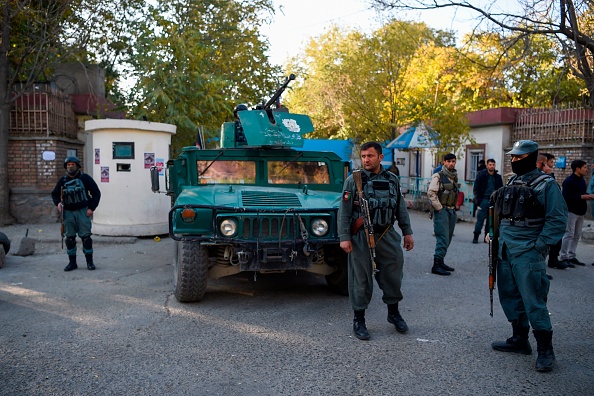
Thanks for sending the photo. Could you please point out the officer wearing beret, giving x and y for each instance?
(532, 215)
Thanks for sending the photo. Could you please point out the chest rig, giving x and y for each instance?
(516, 203)
(74, 191)
(449, 196)
(383, 195)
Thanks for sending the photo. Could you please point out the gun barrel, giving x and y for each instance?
(279, 91)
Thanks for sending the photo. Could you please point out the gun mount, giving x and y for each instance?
(267, 127)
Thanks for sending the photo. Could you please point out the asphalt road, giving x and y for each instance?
(119, 330)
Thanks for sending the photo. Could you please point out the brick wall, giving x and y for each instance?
(31, 179)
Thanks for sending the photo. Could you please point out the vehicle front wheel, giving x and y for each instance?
(190, 271)
(5, 242)
(338, 281)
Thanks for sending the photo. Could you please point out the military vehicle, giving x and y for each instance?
(258, 203)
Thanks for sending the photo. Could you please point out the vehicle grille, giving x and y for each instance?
(259, 198)
(267, 227)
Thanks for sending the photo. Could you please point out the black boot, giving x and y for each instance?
(437, 267)
(71, 264)
(395, 318)
(517, 343)
(475, 239)
(90, 264)
(555, 263)
(359, 327)
(544, 346)
(446, 267)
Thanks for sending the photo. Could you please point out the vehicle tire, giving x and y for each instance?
(190, 271)
(338, 281)
(5, 242)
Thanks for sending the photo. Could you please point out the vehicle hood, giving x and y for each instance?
(258, 197)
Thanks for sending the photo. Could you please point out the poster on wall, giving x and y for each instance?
(160, 164)
(149, 160)
(97, 156)
(105, 174)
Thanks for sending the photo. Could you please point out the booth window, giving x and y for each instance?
(474, 153)
(123, 150)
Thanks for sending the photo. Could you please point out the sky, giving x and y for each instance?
(297, 20)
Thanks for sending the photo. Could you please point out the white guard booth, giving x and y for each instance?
(120, 154)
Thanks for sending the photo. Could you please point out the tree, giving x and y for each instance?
(32, 36)
(368, 86)
(570, 22)
(193, 61)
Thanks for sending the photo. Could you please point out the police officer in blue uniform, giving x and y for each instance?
(532, 215)
(382, 190)
(77, 196)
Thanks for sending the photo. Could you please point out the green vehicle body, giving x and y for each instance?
(257, 204)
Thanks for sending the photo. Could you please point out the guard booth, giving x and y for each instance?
(119, 155)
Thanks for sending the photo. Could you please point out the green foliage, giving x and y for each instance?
(369, 86)
(193, 61)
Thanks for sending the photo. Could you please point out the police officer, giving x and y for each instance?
(532, 215)
(77, 196)
(443, 196)
(382, 192)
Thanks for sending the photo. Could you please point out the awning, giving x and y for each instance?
(416, 137)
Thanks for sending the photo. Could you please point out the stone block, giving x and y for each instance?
(25, 246)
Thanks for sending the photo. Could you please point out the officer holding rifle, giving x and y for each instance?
(371, 203)
(532, 216)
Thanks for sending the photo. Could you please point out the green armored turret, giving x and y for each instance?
(266, 126)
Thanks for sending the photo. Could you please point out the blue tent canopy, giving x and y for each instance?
(416, 137)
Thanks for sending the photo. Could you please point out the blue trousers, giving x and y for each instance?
(523, 289)
(444, 223)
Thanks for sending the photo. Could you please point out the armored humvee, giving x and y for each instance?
(256, 204)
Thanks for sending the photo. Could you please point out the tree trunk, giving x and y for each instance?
(5, 106)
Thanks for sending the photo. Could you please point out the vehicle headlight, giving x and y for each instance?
(319, 227)
(228, 227)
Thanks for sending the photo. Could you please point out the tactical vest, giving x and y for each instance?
(449, 195)
(74, 192)
(383, 197)
(518, 204)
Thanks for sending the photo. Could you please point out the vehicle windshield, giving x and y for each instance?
(298, 172)
(226, 172)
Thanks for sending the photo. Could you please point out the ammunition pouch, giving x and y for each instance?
(357, 225)
(517, 204)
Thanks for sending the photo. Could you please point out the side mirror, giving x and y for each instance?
(154, 179)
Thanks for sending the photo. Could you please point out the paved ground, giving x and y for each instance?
(119, 330)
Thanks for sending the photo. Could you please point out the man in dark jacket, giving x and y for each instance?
(574, 192)
(77, 196)
(487, 181)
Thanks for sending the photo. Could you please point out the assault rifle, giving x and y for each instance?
(493, 251)
(366, 217)
(62, 215)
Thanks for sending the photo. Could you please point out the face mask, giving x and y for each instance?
(72, 170)
(525, 165)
